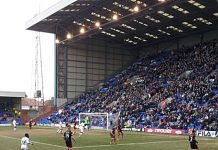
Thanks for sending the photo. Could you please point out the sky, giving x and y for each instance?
(18, 46)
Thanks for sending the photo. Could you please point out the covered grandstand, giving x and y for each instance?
(148, 56)
(86, 59)
(10, 106)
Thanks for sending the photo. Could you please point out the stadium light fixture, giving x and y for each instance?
(57, 41)
(161, 0)
(97, 24)
(136, 9)
(197, 4)
(115, 17)
(201, 6)
(216, 14)
(69, 36)
(82, 31)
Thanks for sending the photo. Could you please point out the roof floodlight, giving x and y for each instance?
(97, 24)
(69, 36)
(82, 30)
(136, 9)
(57, 41)
(115, 17)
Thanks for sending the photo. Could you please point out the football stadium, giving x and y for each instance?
(129, 74)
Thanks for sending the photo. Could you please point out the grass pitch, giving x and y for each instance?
(46, 138)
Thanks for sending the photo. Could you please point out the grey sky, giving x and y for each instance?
(17, 48)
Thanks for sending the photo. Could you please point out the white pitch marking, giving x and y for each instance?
(34, 142)
(93, 146)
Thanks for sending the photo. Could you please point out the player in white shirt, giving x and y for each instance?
(81, 128)
(60, 129)
(25, 141)
(14, 124)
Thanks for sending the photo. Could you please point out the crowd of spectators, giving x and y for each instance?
(173, 89)
(5, 113)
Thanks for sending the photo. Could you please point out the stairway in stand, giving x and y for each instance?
(46, 111)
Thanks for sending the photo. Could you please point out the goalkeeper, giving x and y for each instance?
(86, 122)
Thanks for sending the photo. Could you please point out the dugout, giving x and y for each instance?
(92, 44)
(10, 105)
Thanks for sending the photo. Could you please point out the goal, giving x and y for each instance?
(102, 121)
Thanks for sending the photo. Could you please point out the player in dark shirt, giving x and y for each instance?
(192, 140)
(120, 131)
(68, 138)
(30, 124)
(113, 136)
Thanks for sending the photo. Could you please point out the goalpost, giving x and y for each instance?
(103, 121)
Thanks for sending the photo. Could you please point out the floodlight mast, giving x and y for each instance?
(38, 72)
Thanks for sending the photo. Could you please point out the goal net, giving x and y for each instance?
(103, 121)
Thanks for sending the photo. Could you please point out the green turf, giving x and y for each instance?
(46, 138)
